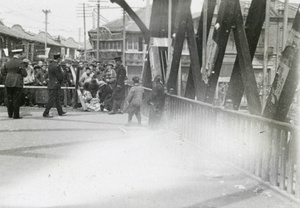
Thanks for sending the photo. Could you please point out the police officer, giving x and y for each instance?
(54, 86)
(119, 89)
(14, 72)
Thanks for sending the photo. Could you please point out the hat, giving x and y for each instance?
(36, 67)
(56, 56)
(26, 61)
(111, 63)
(119, 58)
(101, 83)
(63, 63)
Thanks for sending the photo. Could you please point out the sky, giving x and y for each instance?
(65, 17)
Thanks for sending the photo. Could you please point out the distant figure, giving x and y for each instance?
(134, 100)
(105, 93)
(156, 102)
(14, 72)
(91, 90)
(54, 86)
(110, 75)
(29, 95)
(86, 77)
(119, 89)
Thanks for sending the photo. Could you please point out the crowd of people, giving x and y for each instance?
(101, 85)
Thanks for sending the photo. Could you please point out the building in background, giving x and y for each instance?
(33, 45)
(110, 45)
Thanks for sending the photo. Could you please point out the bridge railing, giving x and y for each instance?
(262, 147)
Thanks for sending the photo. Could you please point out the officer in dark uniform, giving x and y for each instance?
(119, 89)
(14, 72)
(54, 85)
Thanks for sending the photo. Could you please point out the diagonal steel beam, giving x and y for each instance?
(245, 63)
(190, 89)
(135, 17)
(194, 57)
(220, 38)
(183, 8)
(253, 27)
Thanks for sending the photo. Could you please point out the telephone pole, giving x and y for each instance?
(83, 12)
(84, 29)
(266, 54)
(79, 37)
(46, 32)
(124, 39)
(98, 24)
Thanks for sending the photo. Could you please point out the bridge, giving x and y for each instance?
(202, 156)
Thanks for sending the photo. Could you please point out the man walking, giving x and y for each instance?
(14, 72)
(54, 86)
(119, 89)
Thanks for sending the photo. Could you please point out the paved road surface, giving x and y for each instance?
(92, 160)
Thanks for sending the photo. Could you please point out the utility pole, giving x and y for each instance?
(84, 30)
(46, 32)
(98, 25)
(94, 18)
(124, 38)
(266, 55)
(82, 12)
(79, 35)
(169, 29)
(285, 22)
(204, 36)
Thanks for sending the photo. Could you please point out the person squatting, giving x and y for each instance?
(101, 85)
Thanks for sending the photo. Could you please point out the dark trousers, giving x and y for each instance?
(54, 95)
(14, 97)
(117, 104)
(28, 96)
(2, 96)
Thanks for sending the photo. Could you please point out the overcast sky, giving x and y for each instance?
(63, 19)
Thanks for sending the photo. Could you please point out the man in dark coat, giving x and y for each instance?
(14, 72)
(54, 86)
(104, 94)
(119, 89)
(156, 102)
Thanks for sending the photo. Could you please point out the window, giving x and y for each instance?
(136, 43)
(129, 44)
(140, 44)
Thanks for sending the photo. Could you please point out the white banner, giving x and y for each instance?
(47, 52)
(5, 51)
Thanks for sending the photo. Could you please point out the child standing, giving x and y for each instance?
(134, 100)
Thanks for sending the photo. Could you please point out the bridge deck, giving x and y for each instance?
(92, 160)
